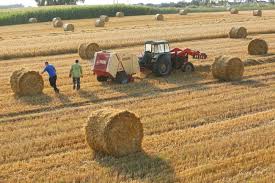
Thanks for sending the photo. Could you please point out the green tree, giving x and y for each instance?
(57, 2)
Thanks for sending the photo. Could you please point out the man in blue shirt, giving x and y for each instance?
(52, 75)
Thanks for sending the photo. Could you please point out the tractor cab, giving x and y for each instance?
(154, 51)
(157, 47)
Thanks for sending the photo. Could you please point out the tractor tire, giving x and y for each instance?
(162, 67)
(188, 67)
(102, 78)
(122, 77)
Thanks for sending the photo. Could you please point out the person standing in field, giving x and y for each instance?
(50, 69)
(76, 73)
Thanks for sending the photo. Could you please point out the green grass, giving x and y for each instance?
(44, 14)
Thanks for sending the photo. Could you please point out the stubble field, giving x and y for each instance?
(197, 129)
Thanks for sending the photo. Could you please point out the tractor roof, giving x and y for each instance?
(156, 42)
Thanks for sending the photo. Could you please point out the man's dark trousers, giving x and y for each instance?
(53, 83)
(76, 82)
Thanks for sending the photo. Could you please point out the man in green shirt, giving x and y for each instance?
(76, 73)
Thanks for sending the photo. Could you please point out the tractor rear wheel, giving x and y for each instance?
(102, 78)
(188, 67)
(162, 67)
(122, 77)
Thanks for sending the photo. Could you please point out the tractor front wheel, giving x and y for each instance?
(102, 78)
(188, 67)
(162, 67)
(122, 77)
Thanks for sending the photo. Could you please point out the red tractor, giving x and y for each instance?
(161, 60)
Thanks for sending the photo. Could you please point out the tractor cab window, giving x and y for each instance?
(159, 48)
(148, 47)
(166, 48)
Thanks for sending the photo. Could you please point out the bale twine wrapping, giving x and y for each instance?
(58, 23)
(68, 27)
(56, 18)
(257, 47)
(114, 132)
(25, 82)
(159, 17)
(104, 18)
(238, 32)
(88, 50)
(91, 49)
(183, 12)
(228, 68)
(234, 11)
(119, 14)
(257, 13)
(99, 23)
(33, 20)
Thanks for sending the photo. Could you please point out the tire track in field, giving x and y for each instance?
(98, 101)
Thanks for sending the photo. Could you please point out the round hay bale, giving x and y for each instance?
(257, 13)
(228, 68)
(234, 11)
(33, 20)
(99, 23)
(119, 14)
(114, 132)
(238, 32)
(24, 82)
(104, 18)
(58, 23)
(183, 12)
(159, 17)
(91, 49)
(68, 27)
(56, 18)
(82, 51)
(257, 47)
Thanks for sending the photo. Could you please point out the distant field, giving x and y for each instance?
(44, 14)
(42, 39)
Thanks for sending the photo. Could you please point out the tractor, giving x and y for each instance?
(161, 60)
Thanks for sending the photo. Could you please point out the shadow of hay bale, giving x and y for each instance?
(42, 99)
(250, 83)
(139, 166)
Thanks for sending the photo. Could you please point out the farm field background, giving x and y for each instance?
(197, 129)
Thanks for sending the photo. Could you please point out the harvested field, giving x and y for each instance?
(196, 128)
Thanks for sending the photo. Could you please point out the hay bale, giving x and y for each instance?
(183, 12)
(68, 27)
(33, 20)
(104, 18)
(257, 13)
(91, 49)
(82, 51)
(234, 11)
(114, 132)
(119, 14)
(24, 82)
(58, 23)
(257, 47)
(99, 23)
(88, 50)
(238, 32)
(56, 18)
(159, 17)
(228, 68)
